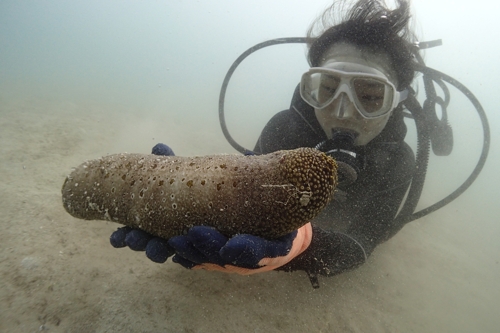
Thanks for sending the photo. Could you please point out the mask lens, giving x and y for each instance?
(328, 85)
(318, 89)
(373, 95)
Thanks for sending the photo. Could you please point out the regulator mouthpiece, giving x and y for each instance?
(341, 148)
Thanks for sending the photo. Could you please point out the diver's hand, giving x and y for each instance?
(206, 248)
(157, 249)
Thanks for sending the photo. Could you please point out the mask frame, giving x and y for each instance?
(310, 89)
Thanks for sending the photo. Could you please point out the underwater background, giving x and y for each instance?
(82, 79)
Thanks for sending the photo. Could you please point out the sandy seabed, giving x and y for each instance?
(60, 274)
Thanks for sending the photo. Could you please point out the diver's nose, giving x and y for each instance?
(341, 107)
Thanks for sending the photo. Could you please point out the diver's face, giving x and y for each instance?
(341, 114)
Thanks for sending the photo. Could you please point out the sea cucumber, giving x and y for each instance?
(267, 195)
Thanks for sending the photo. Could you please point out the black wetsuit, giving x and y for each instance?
(350, 227)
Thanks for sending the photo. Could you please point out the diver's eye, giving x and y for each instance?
(371, 98)
(328, 85)
(328, 89)
(370, 93)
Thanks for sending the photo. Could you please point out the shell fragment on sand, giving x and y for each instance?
(267, 195)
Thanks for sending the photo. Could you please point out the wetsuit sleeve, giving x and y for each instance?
(330, 253)
(333, 252)
(369, 212)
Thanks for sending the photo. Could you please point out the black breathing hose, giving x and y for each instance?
(421, 161)
(225, 83)
(482, 158)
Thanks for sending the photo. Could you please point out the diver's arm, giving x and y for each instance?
(333, 252)
(329, 253)
(371, 221)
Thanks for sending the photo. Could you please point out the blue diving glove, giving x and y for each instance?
(157, 249)
(205, 245)
(162, 150)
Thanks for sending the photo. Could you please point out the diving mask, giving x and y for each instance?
(369, 90)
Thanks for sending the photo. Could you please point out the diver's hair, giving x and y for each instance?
(367, 24)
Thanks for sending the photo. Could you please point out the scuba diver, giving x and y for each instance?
(350, 104)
